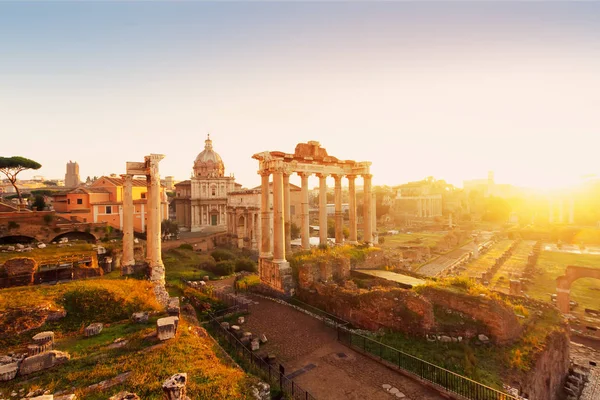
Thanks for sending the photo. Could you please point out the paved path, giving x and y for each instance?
(582, 355)
(323, 366)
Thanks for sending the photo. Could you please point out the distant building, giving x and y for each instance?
(72, 175)
(102, 201)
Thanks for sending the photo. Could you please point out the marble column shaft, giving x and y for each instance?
(149, 220)
(265, 241)
(352, 205)
(128, 210)
(287, 213)
(322, 209)
(278, 223)
(156, 231)
(367, 222)
(339, 216)
(305, 229)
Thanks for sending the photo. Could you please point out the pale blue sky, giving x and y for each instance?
(443, 89)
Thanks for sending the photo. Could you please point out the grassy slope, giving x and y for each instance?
(50, 252)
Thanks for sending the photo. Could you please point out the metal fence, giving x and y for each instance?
(273, 374)
(438, 376)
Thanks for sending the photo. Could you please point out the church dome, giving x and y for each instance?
(208, 163)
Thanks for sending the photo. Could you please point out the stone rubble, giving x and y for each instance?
(174, 387)
(166, 328)
(93, 329)
(140, 317)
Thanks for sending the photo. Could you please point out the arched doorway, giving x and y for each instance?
(14, 239)
(213, 217)
(76, 235)
(563, 284)
(241, 231)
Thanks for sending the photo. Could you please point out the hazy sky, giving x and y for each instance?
(444, 89)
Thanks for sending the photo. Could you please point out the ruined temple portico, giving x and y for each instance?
(308, 159)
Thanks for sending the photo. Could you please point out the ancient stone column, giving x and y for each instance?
(287, 213)
(352, 205)
(419, 208)
(561, 207)
(550, 211)
(265, 238)
(305, 232)
(339, 216)
(128, 259)
(571, 211)
(149, 220)
(374, 217)
(367, 222)
(246, 227)
(156, 264)
(322, 209)
(278, 223)
(255, 231)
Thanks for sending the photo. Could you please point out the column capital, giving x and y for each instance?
(322, 175)
(351, 177)
(367, 176)
(337, 177)
(303, 174)
(127, 177)
(264, 172)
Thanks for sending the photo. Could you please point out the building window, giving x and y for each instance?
(68, 201)
(109, 209)
(143, 195)
(214, 191)
(79, 201)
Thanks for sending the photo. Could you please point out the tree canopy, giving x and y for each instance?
(11, 166)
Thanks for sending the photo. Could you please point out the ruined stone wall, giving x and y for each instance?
(398, 309)
(323, 271)
(545, 379)
(500, 319)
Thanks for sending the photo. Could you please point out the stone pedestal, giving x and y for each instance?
(174, 387)
(166, 328)
(44, 337)
(173, 308)
(93, 329)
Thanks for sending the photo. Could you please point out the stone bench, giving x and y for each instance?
(93, 329)
(166, 328)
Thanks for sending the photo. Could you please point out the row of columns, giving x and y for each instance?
(429, 207)
(281, 212)
(561, 206)
(153, 228)
(250, 229)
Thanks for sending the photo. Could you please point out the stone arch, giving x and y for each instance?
(564, 282)
(76, 235)
(14, 239)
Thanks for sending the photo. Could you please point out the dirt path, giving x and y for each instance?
(309, 350)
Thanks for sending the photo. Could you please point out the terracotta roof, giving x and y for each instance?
(118, 181)
(184, 183)
(292, 187)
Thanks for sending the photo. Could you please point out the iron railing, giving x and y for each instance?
(435, 375)
(250, 361)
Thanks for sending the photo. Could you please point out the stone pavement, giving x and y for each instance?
(582, 355)
(310, 352)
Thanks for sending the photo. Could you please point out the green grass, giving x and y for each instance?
(50, 252)
(550, 265)
(514, 265)
(419, 238)
(183, 264)
(476, 267)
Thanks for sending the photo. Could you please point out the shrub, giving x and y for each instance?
(223, 268)
(207, 263)
(222, 255)
(247, 281)
(245, 264)
(186, 246)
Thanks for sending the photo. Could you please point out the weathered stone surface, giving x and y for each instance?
(235, 328)
(43, 397)
(42, 361)
(174, 387)
(21, 266)
(36, 348)
(225, 325)
(263, 338)
(483, 338)
(125, 396)
(445, 339)
(43, 337)
(386, 386)
(71, 396)
(254, 345)
(8, 371)
(93, 329)
(240, 320)
(166, 328)
(140, 317)
(262, 391)
(173, 308)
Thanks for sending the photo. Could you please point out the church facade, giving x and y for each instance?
(201, 201)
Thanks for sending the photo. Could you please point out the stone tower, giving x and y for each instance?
(72, 175)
